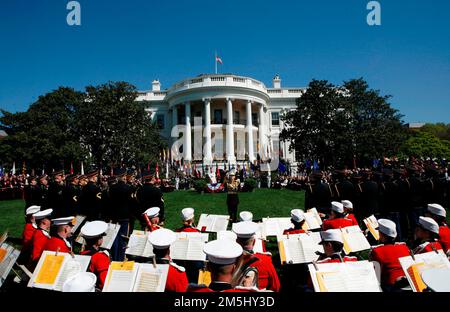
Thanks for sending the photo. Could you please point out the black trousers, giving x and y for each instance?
(232, 203)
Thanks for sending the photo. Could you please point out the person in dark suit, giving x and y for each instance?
(91, 197)
(369, 196)
(55, 199)
(33, 193)
(318, 194)
(149, 196)
(71, 194)
(390, 206)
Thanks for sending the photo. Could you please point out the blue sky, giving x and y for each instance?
(408, 56)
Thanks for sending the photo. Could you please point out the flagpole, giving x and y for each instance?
(215, 60)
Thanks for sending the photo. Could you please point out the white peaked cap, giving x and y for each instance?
(429, 224)
(297, 215)
(232, 172)
(437, 279)
(246, 216)
(187, 213)
(42, 214)
(222, 252)
(152, 212)
(226, 235)
(347, 204)
(94, 229)
(32, 210)
(245, 229)
(63, 221)
(162, 238)
(81, 282)
(387, 227)
(333, 235)
(437, 209)
(337, 206)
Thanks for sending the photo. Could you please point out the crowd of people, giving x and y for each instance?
(407, 201)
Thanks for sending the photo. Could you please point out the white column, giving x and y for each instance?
(187, 140)
(251, 157)
(207, 153)
(230, 133)
(174, 116)
(261, 132)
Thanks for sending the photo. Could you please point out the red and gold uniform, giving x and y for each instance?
(351, 216)
(388, 255)
(56, 243)
(427, 247)
(293, 231)
(187, 228)
(27, 234)
(177, 280)
(337, 223)
(99, 264)
(444, 237)
(39, 240)
(267, 275)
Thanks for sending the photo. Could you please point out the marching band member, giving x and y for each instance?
(267, 275)
(387, 254)
(333, 246)
(438, 213)
(61, 230)
(427, 234)
(348, 211)
(161, 240)
(151, 216)
(187, 214)
(27, 234)
(223, 256)
(93, 233)
(40, 236)
(337, 220)
(298, 220)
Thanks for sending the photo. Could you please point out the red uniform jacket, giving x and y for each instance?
(351, 216)
(27, 235)
(177, 280)
(444, 237)
(293, 231)
(57, 242)
(267, 275)
(387, 256)
(187, 229)
(427, 247)
(154, 227)
(336, 223)
(99, 265)
(40, 238)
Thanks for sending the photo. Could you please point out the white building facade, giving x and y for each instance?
(223, 118)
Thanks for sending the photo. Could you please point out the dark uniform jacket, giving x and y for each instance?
(90, 201)
(149, 196)
(55, 200)
(119, 200)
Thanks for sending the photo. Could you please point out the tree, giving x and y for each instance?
(43, 135)
(114, 128)
(439, 130)
(423, 144)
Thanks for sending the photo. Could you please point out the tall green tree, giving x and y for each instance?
(114, 128)
(43, 135)
(422, 144)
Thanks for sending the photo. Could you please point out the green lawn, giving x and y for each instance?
(261, 202)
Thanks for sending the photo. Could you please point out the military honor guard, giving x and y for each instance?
(71, 194)
(267, 275)
(387, 255)
(91, 197)
(333, 245)
(150, 196)
(151, 217)
(32, 193)
(41, 236)
(61, 231)
(187, 215)
(55, 199)
(438, 213)
(298, 220)
(337, 218)
(161, 240)
(348, 211)
(93, 233)
(232, 187)
(427, 235)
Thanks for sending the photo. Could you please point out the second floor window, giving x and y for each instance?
(275, 119)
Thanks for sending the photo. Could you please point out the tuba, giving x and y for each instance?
(245, 275)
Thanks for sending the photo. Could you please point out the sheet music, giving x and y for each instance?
(357, 276)
(9, 259)
(108, 240)
(276, 226)
(354, 239)
(79, 219)
(372, 224)
(301, 248)
(424, 262)
(71, 267)
(193, 235)
(312, 219)
(178, 250)
(213, 223)
(121, 277)
(195, 250)
(258, 246)
(138, 245)
(150, 278)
